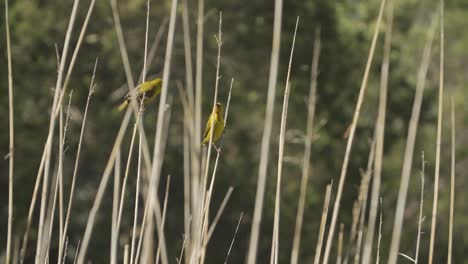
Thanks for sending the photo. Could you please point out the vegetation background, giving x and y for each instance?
(346, 32)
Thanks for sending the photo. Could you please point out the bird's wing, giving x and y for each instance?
(208, 127)
(134, 92)
(145, 87)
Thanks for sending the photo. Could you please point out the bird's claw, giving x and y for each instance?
(218, 150)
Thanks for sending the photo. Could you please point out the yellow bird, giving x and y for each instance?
(149, 90)
(215, 119)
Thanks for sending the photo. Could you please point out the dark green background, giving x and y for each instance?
(347, 28)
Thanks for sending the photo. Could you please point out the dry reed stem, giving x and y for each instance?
(355, 238)
(439, 136)
(421, 206)
(77, 162)
(410, 142)
(75, 52)
(323, 222)
(377, 261)
(189, 152)
(137, 191)
(76, 252)
(48, 146)
(218, 215)
(154, 47)
(188, 54)
(134, 106)
(234, 238)
(166, 199)
(452, 186)
(124, 182)
(265, 148)
(49, 221)
(307, 147)
(202, 205)
(142, 229)
(196, 148)
(184, 243)
(143, 78)
(148, 222)
(140, 116)
(365, 191)
(213, 176)
(284, 118)
(157, 155)
(102, 188)
(187, 214)
(129, 77)
(344, 167)
(115, 209)
(11, 146)
(340, 244)
(379, 134)
(125, 261)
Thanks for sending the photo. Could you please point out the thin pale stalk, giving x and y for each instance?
(77, 162)
(203, 205)
(439, 136)
(148, 224)
(377, 261)
(125, 179)
(166, 199)
(137, 192)
(102, 188)
(307, 148)
(125, 261)
(452, 188)
(143, 78)
(379, 140)
(196, 148)
(184, 243)
(189, 151)
(158, 157)
(11, 146)
(142, 229)
(77, 49)
(421, 206)
(59, 175)
(409, 148)
(39, 254)
(213, 176)
(349, 144)
(234, 238)
(115, 210)
(76, 252)
(187, 213)
(340, 244)
(367, 175)
(46, 152)
(49, 220)
(284, 118)
(323, 223)
(265, 147)
(187, 54)
(154, 48)
(218, 215)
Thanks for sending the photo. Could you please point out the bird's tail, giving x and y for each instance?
(122, 105)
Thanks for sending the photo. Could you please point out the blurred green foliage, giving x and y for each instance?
(38, 28)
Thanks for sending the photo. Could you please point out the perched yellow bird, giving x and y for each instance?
(215, 119)
(149, 89)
